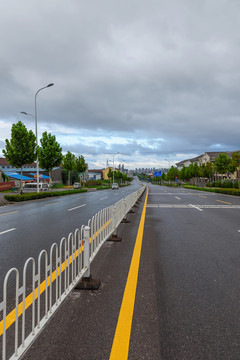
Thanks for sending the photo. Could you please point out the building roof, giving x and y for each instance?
(3, 161)
(17, 176)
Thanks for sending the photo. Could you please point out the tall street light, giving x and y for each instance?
(35, 116)
(36, 130)
(113, 165)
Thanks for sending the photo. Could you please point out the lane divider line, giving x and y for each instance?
(77, 207)
(12, 212)
(6, 231)
(120, 346)
(224, 202)
(53, 203)
(195, 207)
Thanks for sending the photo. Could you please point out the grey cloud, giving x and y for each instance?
(145, 70)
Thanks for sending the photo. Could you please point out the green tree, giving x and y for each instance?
(208, 170)
(232, 167)
(236, 159)
(22, 147)
(173, 173)
(50, 153)
(221, 164)
(196, 172)
(80, 166)
(68, 163)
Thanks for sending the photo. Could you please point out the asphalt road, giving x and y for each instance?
(191, 256)
(29, 227)
(187, 304)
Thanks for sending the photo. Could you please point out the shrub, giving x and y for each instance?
(91, 183)
(41, 195)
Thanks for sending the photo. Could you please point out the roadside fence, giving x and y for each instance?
(48, 281)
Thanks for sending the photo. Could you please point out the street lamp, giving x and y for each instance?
(25, 113)
(36, 130)
(113, 165)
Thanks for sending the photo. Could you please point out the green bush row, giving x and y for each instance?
(227, 191)
(41, 195)
(225, 184)
(103, 187)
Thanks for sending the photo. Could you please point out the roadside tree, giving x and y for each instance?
(80, 167)
(221, 164)
(68, 164)
(50, 153)
(22, 147)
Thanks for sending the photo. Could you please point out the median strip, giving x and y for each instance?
(121, 340)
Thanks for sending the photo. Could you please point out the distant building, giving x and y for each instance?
(105, 172)
(94, 175)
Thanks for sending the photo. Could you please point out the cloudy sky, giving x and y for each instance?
(156, 80)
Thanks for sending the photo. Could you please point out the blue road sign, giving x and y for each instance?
(157, 174)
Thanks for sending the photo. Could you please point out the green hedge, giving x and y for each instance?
(235, 192)
(103, 187)
(41, 195)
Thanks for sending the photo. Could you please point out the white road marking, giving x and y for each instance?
(6, 231)
(195, 207)
(199, 207)
(104, 198)
(177, 198)
(77, 207)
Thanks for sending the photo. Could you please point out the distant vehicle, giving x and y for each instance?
(32, 187)
(115, 186)
(76, 185)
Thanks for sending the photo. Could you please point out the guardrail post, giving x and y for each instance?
(114, 236)
(87, 282)
(125, 220)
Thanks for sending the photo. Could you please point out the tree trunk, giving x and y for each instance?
(69, 172)
(21, 187)
(50, 179)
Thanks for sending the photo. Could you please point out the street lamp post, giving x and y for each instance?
(37, 162)
(168, 168)
(35, 117)
(113, 165)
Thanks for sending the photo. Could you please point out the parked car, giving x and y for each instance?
(32, 187)
(115, 186)
(76, 185)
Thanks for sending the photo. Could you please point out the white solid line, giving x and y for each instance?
(77, 207)
(195, 207)
(6, 231)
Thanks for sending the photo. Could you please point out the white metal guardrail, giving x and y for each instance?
(57, 274)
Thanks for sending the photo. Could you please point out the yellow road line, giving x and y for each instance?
(12, 212)
(11, 317)
(121, 340)
(53, 203)
(205, 197)
(224, 202)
